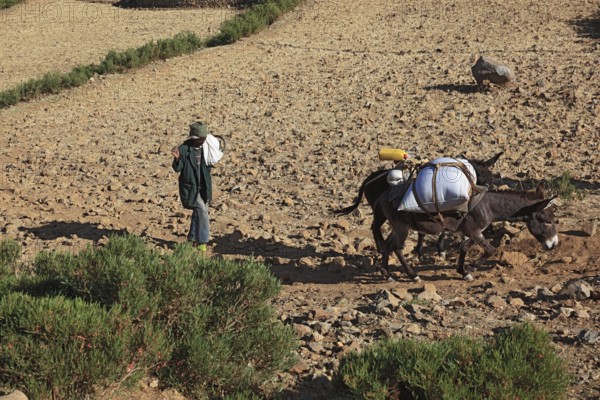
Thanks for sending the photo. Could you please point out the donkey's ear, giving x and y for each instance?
(551, 201)
(526, 212)
(540, 190)
(492, 160)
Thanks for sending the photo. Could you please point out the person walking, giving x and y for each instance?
(195, 183)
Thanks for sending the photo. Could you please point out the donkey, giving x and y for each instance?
(531, 207)
(376, 183)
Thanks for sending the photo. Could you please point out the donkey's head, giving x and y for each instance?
(539, 218)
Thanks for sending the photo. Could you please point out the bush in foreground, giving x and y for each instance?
(205, 326)
(520, 363)
(10, 252)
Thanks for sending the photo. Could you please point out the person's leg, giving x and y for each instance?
(192, 234)
(203, 227)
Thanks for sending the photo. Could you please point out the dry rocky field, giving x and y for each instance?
(305, 106)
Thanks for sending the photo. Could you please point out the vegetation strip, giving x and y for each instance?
(256, 18)
(8, 3)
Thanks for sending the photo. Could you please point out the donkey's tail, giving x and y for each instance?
(349, 209)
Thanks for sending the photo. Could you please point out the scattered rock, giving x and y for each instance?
(322, 314)
(387, 295)
(300, 367)
(429, 287)
(492, 70)
(524, 316)
(589, 336)
(15, 395)
(556, 288)
(302, 330)
(495, 301)
(337, 261)
(413, 329)
(576, 289)
(566, 260)
(429, 296)
(513, 258)
(343, 224)
(590, 228)
(581, 314)
(316, 347)
(402, 294)
(516, 302)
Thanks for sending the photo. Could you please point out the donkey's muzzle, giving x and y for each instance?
(551, 243)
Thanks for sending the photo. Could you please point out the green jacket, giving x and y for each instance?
(189, 179)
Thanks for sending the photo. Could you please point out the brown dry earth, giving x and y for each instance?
(40, 36)
(305, 106)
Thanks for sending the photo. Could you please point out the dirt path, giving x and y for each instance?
(305, 107)
(40, 36)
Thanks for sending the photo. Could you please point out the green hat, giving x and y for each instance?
(198, 130)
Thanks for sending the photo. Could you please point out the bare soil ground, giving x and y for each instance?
(40, 36)
(305, 106)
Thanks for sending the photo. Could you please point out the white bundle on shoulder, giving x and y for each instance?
(212, 150)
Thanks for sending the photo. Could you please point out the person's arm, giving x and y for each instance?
(177, 161)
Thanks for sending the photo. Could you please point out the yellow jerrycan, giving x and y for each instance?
(393, 154)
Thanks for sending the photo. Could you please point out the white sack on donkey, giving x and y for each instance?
(452, 187)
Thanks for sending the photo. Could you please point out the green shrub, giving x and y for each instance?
(256, 18)
(9, 3)
(61, 348)
(221, 328)
(10, 253)
(563, 186)
(521, 363)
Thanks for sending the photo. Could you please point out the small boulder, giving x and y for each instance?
(15, 395)
(513, 258)
(577, 289)
(589, 228)
(495, 301)
(491, 70)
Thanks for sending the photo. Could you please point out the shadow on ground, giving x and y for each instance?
(298, 264)
(588, 27)
(464, 89)
(61, 229)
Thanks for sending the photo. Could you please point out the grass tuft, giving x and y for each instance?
(563, 186)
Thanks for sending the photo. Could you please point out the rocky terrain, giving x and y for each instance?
(305, 107)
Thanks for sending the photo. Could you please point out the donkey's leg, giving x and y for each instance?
(465, 272)
(419, 246)
(386, 249)
(489, 250)
(384, 246)
(440, 245)
(401, 235)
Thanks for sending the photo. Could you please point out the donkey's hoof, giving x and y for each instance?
(417, 279)
(468, 277)
(443, 255)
